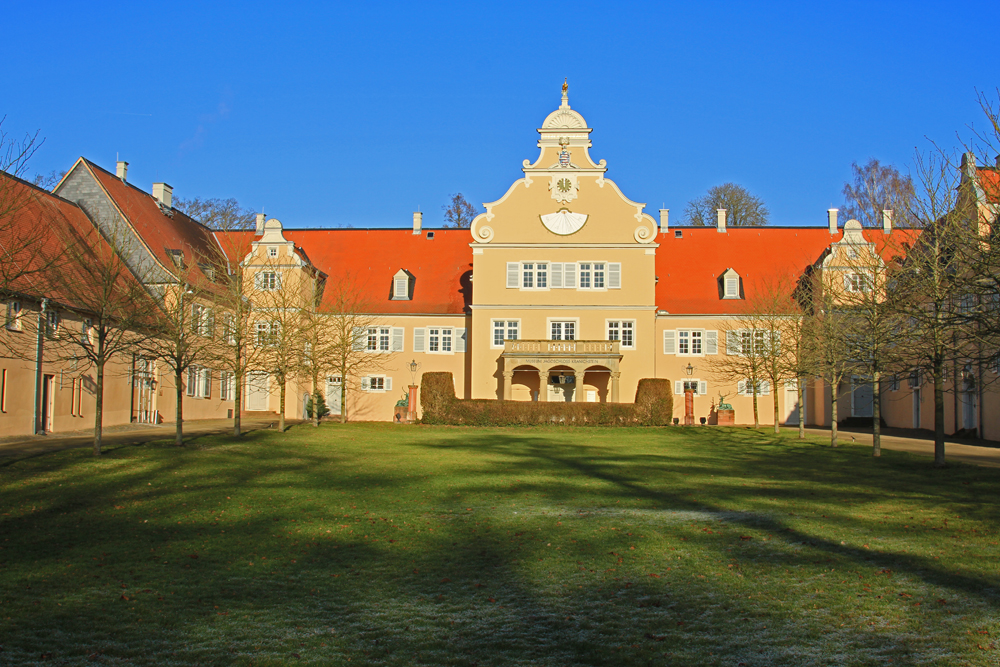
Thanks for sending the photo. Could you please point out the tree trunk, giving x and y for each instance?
(876, 414)
(802, 409)
(99, 410)
(756, 418)
(179, 411)
(315, 401)
(281, 404)
(238, 396)
(833, 415)
(343, 398)
(777, 430)
(938, 414)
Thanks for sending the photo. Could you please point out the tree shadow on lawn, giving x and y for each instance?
(387, 593)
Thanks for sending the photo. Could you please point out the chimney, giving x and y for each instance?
(721, 222)
(664, 219)
(831, 216)
(887, 222)
(121, 171)
(418, 220)
(164, 194)
(260, 223)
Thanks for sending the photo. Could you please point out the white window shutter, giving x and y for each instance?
(258, 281)
(732, 343)
(365, 384)
(678, 387)
(397, 339)
(711, 342)
(359, 342)
(669, 341)
(277, 281)
(741, 387)
(513, 275)
(569, 275)
(460, 340)
(765, 388)
(702, 387)
(388, 384)
(556, 275)
(614, 275)
(418, 339)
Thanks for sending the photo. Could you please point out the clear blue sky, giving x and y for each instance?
(357, 113)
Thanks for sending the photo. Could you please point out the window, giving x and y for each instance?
(678, 234)
(504, 330)
(401, 286)
(563, 330)
(268, 281)
(439, 339)
(272, 251)
(914, 380)
(894, 382)
(746, 387)
(585, 275)
(14, 315)
(752, 342)
(51, 323)
(730, 284)
(227, 386)
(87, 332)
(598, 276)
(856, 282)
(699, 387)
(378, 339)
(229, 329)
(268, 333)
(376, 383)
(534, 275)
(199, 382)
(623, 331)
(691, 342)
(202, 320)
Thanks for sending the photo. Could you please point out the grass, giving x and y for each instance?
(374, 544)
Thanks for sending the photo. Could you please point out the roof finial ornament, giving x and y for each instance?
(565, 96)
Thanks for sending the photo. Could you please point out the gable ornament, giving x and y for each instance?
(563, 221)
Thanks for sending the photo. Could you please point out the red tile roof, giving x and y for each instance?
(689, 267)
(159, 231)
(989, 178)
(41, 240)
(441, 266)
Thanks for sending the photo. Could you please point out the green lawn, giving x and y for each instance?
(375, 544)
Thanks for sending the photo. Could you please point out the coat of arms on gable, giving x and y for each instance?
(564, 187)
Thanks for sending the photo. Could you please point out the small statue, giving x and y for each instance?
(722, 402)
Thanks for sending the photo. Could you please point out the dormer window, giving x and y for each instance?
(208, 270)
(177, 256)
(401, 286)
(731, 285)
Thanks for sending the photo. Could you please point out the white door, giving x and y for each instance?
(861, 397)
(257, 391)
(333, 385)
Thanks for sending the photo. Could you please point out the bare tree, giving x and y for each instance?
(743, 209)
(220, 214)
(876, 188)
(112, 305)
(351, 339)
(757, 358)
(459, 213)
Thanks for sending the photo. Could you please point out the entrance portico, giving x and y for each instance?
(561, 357)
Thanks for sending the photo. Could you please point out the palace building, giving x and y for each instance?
(563, 289)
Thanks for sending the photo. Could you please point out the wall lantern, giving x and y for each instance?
(689, 370)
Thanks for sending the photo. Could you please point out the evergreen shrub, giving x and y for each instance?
(653, 407)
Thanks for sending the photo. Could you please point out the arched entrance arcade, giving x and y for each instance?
(561, 370)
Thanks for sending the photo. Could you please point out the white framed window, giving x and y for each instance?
(227, 386)
(205, 383)
(268, 281)
(585, 276)
(13, 321)
(401, 286)
(856, 282)
(202, 320)
(745, 388)
(199, 382)
(51, 323)
(505, 330)
(534, 275)
(268, 333)
(699, 387)
(690, 342)
(377, 339)
(730, 284)
(913, 381)
(376, 383)
(893, 382)
(623, 331)
(229, 329)
(743, 342)
(440, 340)
(562, 329)
(272, 251)
(87, 332)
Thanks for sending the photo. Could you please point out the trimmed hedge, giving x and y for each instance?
(654, 406)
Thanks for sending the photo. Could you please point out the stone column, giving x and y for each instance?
(543, 386)
(614, 386)
(411, 408)
(579, 395)
(508, 381)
